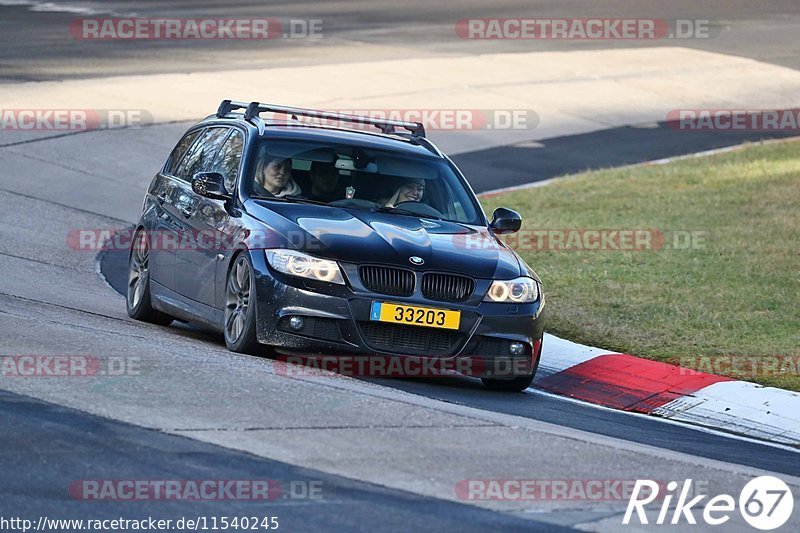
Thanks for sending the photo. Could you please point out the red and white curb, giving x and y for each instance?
(630, 383)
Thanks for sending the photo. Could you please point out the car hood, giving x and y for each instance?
(363, 236)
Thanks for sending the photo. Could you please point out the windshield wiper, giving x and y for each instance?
(289, 199)
(401, 211)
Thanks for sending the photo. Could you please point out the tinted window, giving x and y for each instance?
(179, 151)
(200, 157)
(229, 157)
(351, 176)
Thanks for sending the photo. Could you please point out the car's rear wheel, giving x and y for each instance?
(138, 295)
(240, 307)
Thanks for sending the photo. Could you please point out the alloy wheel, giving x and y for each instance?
(237, 302)
(138, 272)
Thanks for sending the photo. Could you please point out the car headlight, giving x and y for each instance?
(304, 266)
(519, 291)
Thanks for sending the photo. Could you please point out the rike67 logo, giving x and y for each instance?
(765, 503)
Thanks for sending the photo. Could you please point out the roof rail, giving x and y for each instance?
(385, 125)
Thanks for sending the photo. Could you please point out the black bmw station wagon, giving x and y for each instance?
(309, 235)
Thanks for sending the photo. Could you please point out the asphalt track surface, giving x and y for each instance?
(525, 162)
(304, 500)
(765, 30)
(46, 446)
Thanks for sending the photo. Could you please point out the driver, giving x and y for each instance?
(412, 190)
(324, 182)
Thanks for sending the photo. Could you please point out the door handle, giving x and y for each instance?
(186, 212)
(161, 199)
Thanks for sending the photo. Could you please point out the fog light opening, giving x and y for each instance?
(297, 323)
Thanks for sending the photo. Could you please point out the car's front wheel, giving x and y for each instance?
(240, 307)
(138, 297)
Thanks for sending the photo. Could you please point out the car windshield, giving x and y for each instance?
(350, 176)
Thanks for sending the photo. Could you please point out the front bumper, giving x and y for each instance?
(337, 322)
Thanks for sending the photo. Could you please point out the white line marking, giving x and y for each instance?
(703, 429)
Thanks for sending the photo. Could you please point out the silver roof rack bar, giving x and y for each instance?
(254, 108)
(226, 106)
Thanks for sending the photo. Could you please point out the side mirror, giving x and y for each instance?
(505, 221)
(211, 185)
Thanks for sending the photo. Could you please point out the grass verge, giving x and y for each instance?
(719, 288)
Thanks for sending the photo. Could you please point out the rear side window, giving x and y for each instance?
(179, 151)
(200, 157)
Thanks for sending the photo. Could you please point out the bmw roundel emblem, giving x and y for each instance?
(416, 260)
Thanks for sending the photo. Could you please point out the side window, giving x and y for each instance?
(200, 157)
(179, 151)
(228, 158)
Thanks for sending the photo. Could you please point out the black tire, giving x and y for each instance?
(240, 307)
(517, 384)
(137, 299)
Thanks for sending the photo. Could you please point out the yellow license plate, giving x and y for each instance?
(415, 316)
